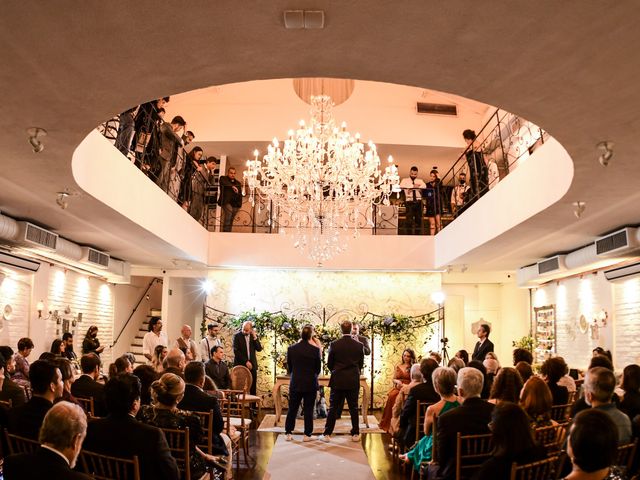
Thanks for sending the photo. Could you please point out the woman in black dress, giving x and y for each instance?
(91, 344)
(434, 202)
(478, 172)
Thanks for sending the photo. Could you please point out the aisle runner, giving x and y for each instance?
(341, 458)
(343, 425)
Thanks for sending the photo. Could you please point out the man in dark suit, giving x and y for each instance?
(87, 386)
(471, 418)
(121, 435)
(423, 392)
(216, 368)
(63, 430)
(355, 333)
(484, 345)
(10, 390)
(245, 346)
(46, 386)
(345, 361)
(303, 364)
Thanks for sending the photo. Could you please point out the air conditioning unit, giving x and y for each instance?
(33, 236)
(622, 273)
(618, 243)
(8, 260)
(436, 108)
(95, 257)
(553, 265)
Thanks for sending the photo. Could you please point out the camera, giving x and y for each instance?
(444, 340)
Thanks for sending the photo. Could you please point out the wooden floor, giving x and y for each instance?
(375, 446)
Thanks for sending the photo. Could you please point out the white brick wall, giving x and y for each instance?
(15, 290)
(626, 301)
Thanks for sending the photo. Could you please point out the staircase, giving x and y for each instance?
(135, 346)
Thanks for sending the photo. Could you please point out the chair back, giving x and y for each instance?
(434, 439)
(18, 444)
(421, 412)
(625, 455)
(241, 378)
(234, 407)
(5, 403)
(471, 452)
(103, 467)
(206, 420)
(561, 413)
(87, 405)
(551, 437)
(549, 468)
(178, 441)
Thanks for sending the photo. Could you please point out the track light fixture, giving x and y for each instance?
(607, 152)
(578, 208)
(35, 134)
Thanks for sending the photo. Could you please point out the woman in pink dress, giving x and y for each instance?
(401, 376)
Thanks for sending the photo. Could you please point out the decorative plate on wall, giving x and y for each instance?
(583, 324)
(7, 311)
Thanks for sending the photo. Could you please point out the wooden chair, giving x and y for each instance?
(241, 379)
(421, 412)
(471, 452)
(546, 469)
(433, 464)
(18, 444)
(87, 405)
(206, 420)
(626, 454)
(233, 410)
(551, 437)
(103, 467)
(561, 413)
(178, 441)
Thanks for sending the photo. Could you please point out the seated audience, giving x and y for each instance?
(166, 393)
(567, 381)
(401, 376)
(21, 376)
(175, 362)
(536, 401)
(456, 363)
(423, 392)
(525, 370)
(147, 376)
(197, 400)
(122, 395)
(63, 430)
(601, 351)
(67, 338)
(436, 356)
(68, 377)
(416, 379)
(470, 418)
(522, 355)
(512, 441)
(492, 356)
(46, 386)
(10, 390)
(159, 354)
(596, 361)
(591, 447)
(630, 387)
(217, 369)
(57, 347)
(463, 355)
(506, 386)
(87, 385)
(492, 366)
(10, 364)
(122, 364)
(599, 384)
(487, 380)
(444, 381)
(552, 371)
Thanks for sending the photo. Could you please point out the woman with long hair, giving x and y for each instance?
(191, 164)
(506, 386)
(630, 395)
(416, 379)
(536, 401)
(401, 376)
(159, 354)
(434, 202)
(122, 364)
(91, 344)
(57, 347)
(68, 376)
(512, 440)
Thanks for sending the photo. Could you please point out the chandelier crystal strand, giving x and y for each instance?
(321, 179)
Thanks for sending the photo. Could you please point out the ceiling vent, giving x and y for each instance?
(437, 109)
(552, 265)
(34, 236)
(95, 257)
(12, 261)
(622, 273)
(620, 242)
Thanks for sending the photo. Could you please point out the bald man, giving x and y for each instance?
(187, 345)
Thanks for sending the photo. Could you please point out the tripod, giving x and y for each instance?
(444, 353)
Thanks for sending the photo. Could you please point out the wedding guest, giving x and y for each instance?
(512, 441)
(596, 361)
(599, 384)
(191, 164)
(602, 351)
(630, 395)
(413, 187)
(68, 377)
(10, 390)
(91, 344)
(434, 202)
(536, 401)
(456, 363)
(211, 340)
(175, 362)
(483, 345)
(245, 346)
(25, 347)
(154, 337)
(525, 370)
(444, 382)
(506, 386)
(160, 352)
(87, 385)
(478, 173)
(552, 371)
(186, 344)
(10, 365)
(463, 355)
(416, 379)
(436, 356)
(424, 392)
(147, 375)
(522, 355)
(67, 338)
(487, 379)
(57, 347)
(401, 376)
(355, 333)
(230, 198)
(217, 369)
(122, 364)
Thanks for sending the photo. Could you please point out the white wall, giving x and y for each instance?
(182, 304)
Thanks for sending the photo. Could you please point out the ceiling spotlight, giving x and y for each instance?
(578, 208)
(62, 200)
(35, 134)
(607, 152)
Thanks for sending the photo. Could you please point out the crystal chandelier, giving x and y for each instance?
(321, 182)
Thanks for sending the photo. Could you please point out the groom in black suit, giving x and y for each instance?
(484, 345)
(303, 364)
(346, 360)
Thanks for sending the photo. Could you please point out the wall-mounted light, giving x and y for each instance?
(40, 308)
(438, 298)
(607, 152)
(62, 201)
(579, 208)
(207, 286)
(35, 134)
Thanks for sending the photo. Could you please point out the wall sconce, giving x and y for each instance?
(40, 308)
(578, 208)
(607, 152)
(35, 133)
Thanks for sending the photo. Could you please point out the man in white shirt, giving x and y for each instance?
(412, 187)
(186, 344)
(153, 338)
(209, 341)
(458, 194)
